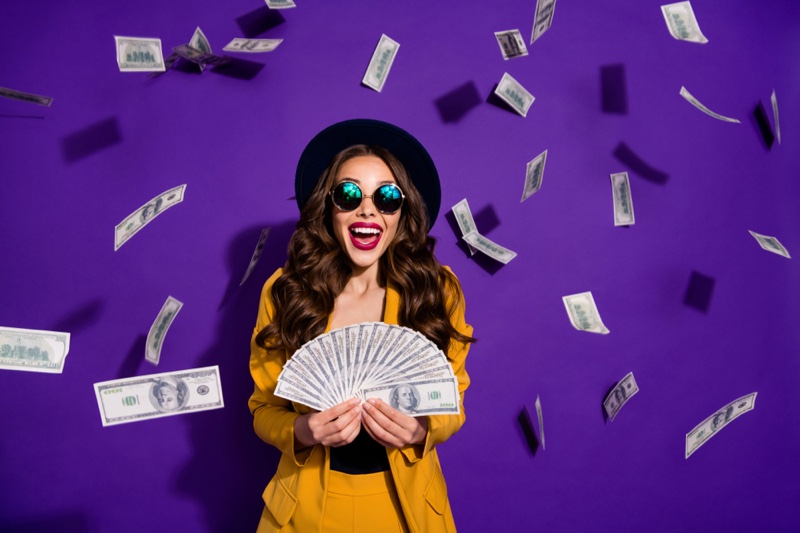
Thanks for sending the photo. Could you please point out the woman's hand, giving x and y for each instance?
(390, 427)
(336, 426)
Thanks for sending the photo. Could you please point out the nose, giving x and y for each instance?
(365, 208)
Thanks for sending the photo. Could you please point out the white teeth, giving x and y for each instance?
(366, 231)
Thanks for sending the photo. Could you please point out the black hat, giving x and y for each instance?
(408, 150)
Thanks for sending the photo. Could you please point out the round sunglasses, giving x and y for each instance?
(387, 198)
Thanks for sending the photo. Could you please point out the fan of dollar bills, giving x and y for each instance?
(371, 360)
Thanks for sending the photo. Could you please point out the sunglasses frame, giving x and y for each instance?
(365, 196)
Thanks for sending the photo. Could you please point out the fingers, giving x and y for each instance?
(390, 427)
(338, 425)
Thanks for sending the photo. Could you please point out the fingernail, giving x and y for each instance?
(367, 406)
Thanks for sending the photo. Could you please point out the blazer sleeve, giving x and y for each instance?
(273, 417)
(441, 427)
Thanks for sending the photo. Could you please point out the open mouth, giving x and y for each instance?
(365, 236)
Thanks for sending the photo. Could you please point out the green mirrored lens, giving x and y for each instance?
(388, 198)
(347, 196)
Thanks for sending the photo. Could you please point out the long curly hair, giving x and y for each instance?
(317, 268)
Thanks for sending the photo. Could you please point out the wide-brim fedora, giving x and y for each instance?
(405, 147)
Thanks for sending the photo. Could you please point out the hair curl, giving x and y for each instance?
(317, 269)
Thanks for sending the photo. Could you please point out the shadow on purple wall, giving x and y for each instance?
(639, 166)
(70, 522)
(613, 89)
(763, 126)
(699, 292)
(82, 317)
(454, 105)
(259, 21)
(528, 433)
(485, 220)
(91, 139)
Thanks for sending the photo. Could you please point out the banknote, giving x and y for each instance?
(714, 423)
(465, 221)
(200, 42)
(280, 4)
(538, 406)
(158, 395)
(139, 54)
(381, 63)
(533, 176)
(419, 398)
(514, 94)
(196, 56)
(145, 214)
(543, 18)
(623, 203)
(33, 350)
(46, 100)
(252, 45)
(583, 313)
(770, 244)
(489, 247)
(511, 44)
(682, 23)
(619, 396)
(256, 254)
(695, 102)
(774, 100)
(155, 338)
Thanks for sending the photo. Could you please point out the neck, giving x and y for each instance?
(363, 280)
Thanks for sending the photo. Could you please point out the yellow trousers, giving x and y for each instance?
(365, 503)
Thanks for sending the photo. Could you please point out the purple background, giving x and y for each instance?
(606, 78)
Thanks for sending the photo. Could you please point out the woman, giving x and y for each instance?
(368, 193)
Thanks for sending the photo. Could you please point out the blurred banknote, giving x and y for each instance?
(465, 221)
(695, 102)
(256, 255)
(280, 4)
(682, 23)
(514, 94)
(770, 244)
(511, 43)
(619, 396)
(157, 395)
(381, 63)
(139, 54)
(774, 100)
(711, 425)
(145, 214)
(583, 313)
(538, 406)
(201, 58)
(155, 338)
(200, 42)
(33, 350)
(46, 100)
(252, 45)
(533, 175)
(543, 18)
(489, 247)
(623, 203)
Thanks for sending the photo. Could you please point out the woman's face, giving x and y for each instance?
(364, 233)
(167, 397)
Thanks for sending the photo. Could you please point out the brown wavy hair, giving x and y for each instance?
(317, 269)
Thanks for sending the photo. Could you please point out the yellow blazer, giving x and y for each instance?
(295, 497)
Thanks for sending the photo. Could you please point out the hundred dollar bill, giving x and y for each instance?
(200, 42)
(619, 396)
(33, 350)
(381, 63)
(280, 4)
(155, 338)
(419, 398)
(623, 203)
(139, 54)
(145, 214)
(511, 44)
(583, 313)
(770, 244)
(252, 45)
(543, 18)
(158, 395)
(490, 248)
(465, 222)
(533, 176)
(196, 56)
(514, 94)
(46, 100)
(774, 100)
(682, 23)
(695, 102)
(538, 406)
(256, 254)
(711, 425)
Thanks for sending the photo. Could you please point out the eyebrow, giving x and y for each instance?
(356, 180)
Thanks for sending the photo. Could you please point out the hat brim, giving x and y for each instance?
(405, 147)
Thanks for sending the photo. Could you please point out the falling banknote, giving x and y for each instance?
(623, 203)
(139, 54)
(252, 45)
(583, 313)
(489, 247)
(256, 254)
(46, 100)
(714, 423)
(201, 58)
(514, 94)
(465, 221)
(682, 23)
(770, 244)
(695, 102)
(619, 395)
(200, 42)
(540, 419)
(158, 395)
(145, 214)
(280, 4)
(511, 44)
(774, 100)
(155, 338)
(533, 175)
(543, 18)
(381, 63)
(33, 350)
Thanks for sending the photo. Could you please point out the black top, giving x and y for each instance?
(362, 456)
